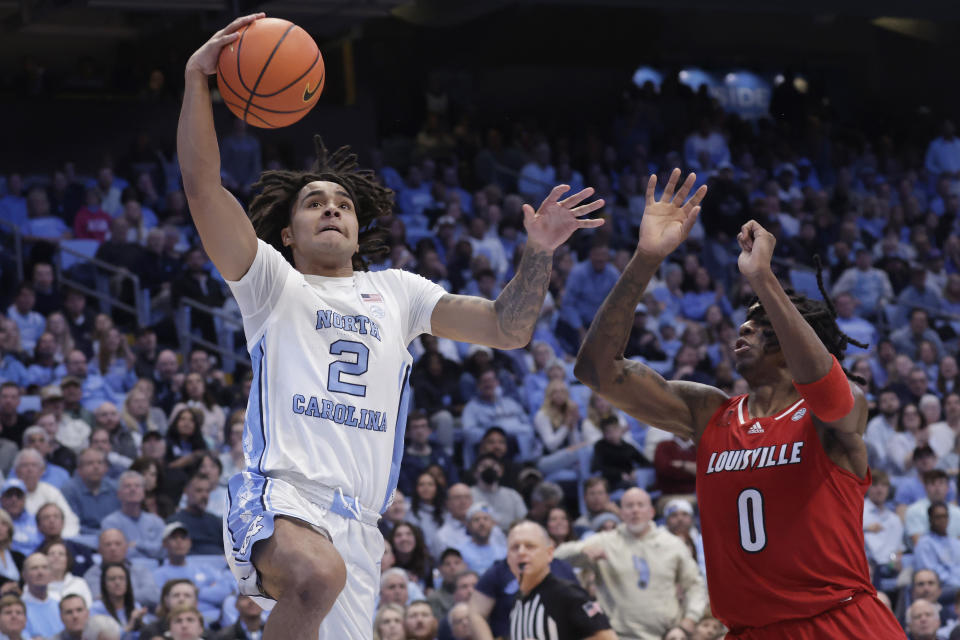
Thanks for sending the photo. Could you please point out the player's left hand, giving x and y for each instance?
(756, 249)
(549, 226)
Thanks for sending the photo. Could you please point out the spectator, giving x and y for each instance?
(12, 424)
(72, 432)
(139, 417)
(938, 552)
(143, 530)
(74, 614)
(113, 550)
(36, 438)
(92, 222)
(451, 566)
(916, 518)
(211, 586)
(907, 338)
(537, 176)
(481, 551)
(882, 529)
(490, 408)
(919, 293)
(496, 443)
(420, 454)
(559, 526)
(23, 536)
(185, 443)
(240, 159)
(177, 592)
(206, 530)
(706, 144)
(30, 323)
(922, 620)
(123, 441)
(587, 287)
(63, 583)
(504, 503)
(41, 370)
(394, 587)
(388, 624)
(453, 533)
(910, 488)
(48, 298)
(167, 381)
(646, 570)
(50, 527)
(943, 154)
(866, 283)
(28, 467)
(118, 597)
(73, 407)
(881, 428)
(12, 369)
(197, 285)
(596, 498)
(558, 420)
(198, 397)
(90, 494)
(411, 553)
(43, 615)
(678, 516)
(79, 321)
(419, 622)
(102, 627)
(59, 454)
(853, 325)
(250, 623)
(13, 618)
(911, 433)
(615, 459)
(426, 511)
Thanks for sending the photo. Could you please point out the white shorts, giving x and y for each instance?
(253, 502)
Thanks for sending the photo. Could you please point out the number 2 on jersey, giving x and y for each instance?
(753, 535)
(357, 368)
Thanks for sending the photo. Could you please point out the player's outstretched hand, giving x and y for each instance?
(756, 249)
(205, 58)
(549, 226)
(667, 222)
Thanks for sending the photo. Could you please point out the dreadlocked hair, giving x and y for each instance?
(272, 208)
(822, 316)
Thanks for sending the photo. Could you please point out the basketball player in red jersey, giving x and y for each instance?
(781, 471)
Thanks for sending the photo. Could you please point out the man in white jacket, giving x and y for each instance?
(29, 466)
(643, 571)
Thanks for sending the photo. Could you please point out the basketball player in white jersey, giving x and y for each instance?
(328, 342)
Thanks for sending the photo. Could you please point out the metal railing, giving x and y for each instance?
(226, 327)
(140, 308)
(17, 247)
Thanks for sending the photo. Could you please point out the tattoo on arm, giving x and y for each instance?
(518, 305)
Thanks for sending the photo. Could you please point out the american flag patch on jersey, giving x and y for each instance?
(592, 609)
(371, 297)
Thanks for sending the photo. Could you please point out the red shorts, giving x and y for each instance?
(863, 617)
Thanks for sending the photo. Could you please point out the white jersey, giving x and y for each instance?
(331, 371)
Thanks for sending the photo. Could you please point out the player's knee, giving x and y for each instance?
(315, 582)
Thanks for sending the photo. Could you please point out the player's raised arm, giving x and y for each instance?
(816, 373)
(508, 321)
(224, 228)
(679, 407)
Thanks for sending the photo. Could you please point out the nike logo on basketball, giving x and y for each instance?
(756, 428)
(307, 94)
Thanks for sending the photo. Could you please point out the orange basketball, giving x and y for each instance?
(272, 75)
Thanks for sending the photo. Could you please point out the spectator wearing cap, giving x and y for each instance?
(678, 517)
(113, 548)
(588, 284)
(907, 338)
(43, 612)
(480, 550)
(37, 438)
(12, 422)
(28, 466)
(50, 526)
(73, 399)
(206, 529)
(25, 535)
(72, 432)
(866, 283)
(504, 503)
(488, 408)
(90, 493)
(606, 521)
(142, 530)
(213, 584)
(11, 560)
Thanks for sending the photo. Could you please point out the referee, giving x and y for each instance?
(547, 608)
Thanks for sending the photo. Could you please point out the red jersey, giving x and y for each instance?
(782, 524)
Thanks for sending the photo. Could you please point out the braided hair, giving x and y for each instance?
(821, 315)
(273, 207)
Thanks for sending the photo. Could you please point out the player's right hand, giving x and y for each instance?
(667, 222)
(205, 58)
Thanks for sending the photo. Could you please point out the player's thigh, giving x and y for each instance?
(298, 557)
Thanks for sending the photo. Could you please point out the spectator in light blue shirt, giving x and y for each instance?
(869, 285)
(13, 206)
(490, 408)
(143, 529)
(943, 154)
(917, 294)
(939, 552)
(213, 584)
(882, 528)
(91, 494)
(481, 550)
(694, 304)
(37, 438)
(587, 287)
(29, 322)
(854, 326)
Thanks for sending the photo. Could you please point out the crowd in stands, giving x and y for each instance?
(117, 441)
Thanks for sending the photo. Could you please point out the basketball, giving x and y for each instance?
(272, 75)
